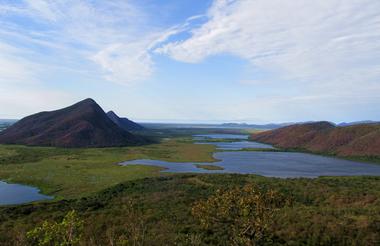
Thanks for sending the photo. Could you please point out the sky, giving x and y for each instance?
(193, 61)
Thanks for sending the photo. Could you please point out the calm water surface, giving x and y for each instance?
(240, 143)
(220, 136)
(17, 194)
(270, 164)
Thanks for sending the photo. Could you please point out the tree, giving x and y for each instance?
(242, 216)
(66, 233)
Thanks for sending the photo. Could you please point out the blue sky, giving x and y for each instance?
(253, 61)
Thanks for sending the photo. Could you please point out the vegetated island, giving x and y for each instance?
(209, 167)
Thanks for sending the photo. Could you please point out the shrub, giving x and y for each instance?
(66, 233)
(241, 216)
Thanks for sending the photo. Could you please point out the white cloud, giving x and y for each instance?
(125, 62)
(112, 34)
(312, 42)
(43, 9)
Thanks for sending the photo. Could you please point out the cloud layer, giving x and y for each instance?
(330, 43)
(109, 33)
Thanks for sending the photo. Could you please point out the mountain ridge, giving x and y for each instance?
(123, 122)
(83, 124)
(324, 137)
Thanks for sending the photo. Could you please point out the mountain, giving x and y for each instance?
(124, 123)
(324, 137)
(83, 124)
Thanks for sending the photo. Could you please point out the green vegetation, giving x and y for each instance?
(209, 167)
(69, 173)
(252, 131)
(66, 233)
(369, 159)
(241, 216)
(170, 210)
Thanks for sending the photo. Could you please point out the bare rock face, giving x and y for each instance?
(83, 124)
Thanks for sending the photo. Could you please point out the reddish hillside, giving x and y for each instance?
(83, 124)
(356, 140)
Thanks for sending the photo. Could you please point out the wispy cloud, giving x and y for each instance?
(112, 34)
(310, 42)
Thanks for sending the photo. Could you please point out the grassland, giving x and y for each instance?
(324, 211)
(71, 173)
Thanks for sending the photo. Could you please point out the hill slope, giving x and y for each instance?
(83, 124)
(324, 137)
(124, 123)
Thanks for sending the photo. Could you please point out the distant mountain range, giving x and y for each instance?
(279, 125)
(124, 123)
(5, 123)
(83, 124)
(358, 123)
(353, 140)
(255, 126)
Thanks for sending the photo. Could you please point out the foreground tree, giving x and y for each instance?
(241, 216)
(66, 233)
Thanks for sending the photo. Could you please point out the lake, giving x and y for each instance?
(11, 194)
(238, 145)
(219, 136)
(270, 164)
